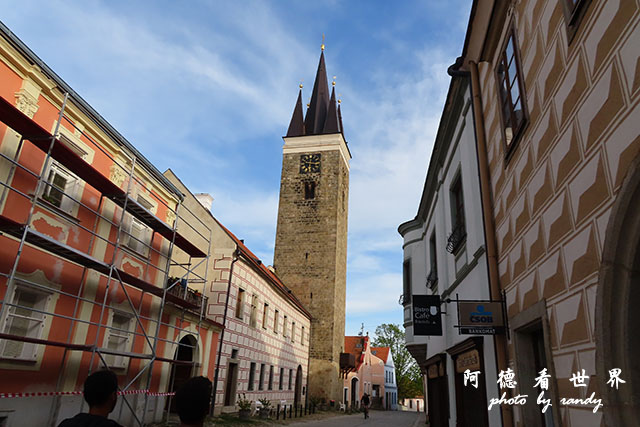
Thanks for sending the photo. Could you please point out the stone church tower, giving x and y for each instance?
(311, 238)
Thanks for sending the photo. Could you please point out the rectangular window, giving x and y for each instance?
(265, 315)
(271, 377)
(240, 303)
(574, 11)
(253, 315)
(118, 338)
(293, 332)
(406, 281)
(302, 336)
(252, 376)
(261, 379)
(276, 316)
(24, 319)
(281, 379)
(511, 89)
(458, 232)
(59, 186)
(139, 235)
(309, 190)
(290, 378)
(284, 326)
(432, 279)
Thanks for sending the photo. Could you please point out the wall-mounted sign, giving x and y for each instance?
(469, 360)
(480, 317)
(427, 319)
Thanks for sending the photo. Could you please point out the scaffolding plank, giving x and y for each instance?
(41, 138)
(65, 251)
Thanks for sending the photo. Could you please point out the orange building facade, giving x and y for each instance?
(366, 376)
(87, 235)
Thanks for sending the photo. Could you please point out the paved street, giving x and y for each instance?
(377, 419)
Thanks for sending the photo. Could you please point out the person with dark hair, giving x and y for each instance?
(193, 400)
(365, 405)
(101, 393)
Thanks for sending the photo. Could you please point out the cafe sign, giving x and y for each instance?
(481, 317)
(427, 319)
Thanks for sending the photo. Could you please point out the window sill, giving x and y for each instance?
(20, 360)
(56, 210)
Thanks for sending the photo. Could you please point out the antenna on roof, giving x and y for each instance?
(361, 330)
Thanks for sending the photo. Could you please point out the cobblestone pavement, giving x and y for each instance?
(376, 419)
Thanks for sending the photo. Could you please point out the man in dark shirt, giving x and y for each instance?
(193, 401)
(101, 393)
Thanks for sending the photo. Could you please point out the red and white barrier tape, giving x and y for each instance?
(68, 393)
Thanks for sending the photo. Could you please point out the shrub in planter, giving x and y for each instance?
(244, 406)
(265, 410)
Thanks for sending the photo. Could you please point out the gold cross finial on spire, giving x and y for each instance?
(322, 45)
(333, 83)
(339, 98)
(301, 83)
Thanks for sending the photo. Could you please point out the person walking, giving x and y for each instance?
(365, 404)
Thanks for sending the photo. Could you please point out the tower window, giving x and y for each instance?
(309, 190)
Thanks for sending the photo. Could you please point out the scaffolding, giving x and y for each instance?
(159, 262)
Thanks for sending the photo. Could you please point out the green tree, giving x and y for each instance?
(408, 376)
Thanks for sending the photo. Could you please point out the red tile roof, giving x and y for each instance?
(351, 346)
(381, 353)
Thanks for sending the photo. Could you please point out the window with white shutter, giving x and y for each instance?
(139, 237)
(118, 338)
(24, 318)
(60, 187)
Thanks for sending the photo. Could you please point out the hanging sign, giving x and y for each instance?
(427, 319)
(480, 317)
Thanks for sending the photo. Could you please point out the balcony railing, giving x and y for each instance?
(182, 291)
(404, 299)
(456, 238)
(432, 279)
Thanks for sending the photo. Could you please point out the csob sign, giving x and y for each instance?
(480, 317)
(427, 319)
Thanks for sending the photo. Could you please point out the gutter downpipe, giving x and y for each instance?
(500, 342)
(236, 256)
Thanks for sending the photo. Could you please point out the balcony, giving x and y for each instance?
(456, 238)
(432, 279)
(182, 291)
(347, 363)
(404, 299)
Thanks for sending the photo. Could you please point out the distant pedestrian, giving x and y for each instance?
(193, 401)
(101, 393)
(365, 404)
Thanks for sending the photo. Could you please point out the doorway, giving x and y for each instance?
(182, 370)
(618, 296)
(297, 398)
(354, 392)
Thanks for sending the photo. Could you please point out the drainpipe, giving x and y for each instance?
(224, 323)
(500, 342)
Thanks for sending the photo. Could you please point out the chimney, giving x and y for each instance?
(205, 200)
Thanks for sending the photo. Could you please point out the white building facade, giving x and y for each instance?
(444, 254)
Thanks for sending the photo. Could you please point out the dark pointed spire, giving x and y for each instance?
(331, 124)
(296, 126)
(340, 119)
(317, 111)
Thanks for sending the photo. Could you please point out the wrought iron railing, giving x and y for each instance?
(456, 238)
(181, 290)
(432, 279)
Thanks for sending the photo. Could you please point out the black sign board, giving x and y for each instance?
(481, 317)
(427, 319)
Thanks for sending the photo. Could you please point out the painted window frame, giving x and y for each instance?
(574, 12)
(505, 96)
(29, 351)
(116, 361)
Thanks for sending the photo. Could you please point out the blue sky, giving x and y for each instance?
(207, 89)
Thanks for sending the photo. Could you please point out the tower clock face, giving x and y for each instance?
(310, 163)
